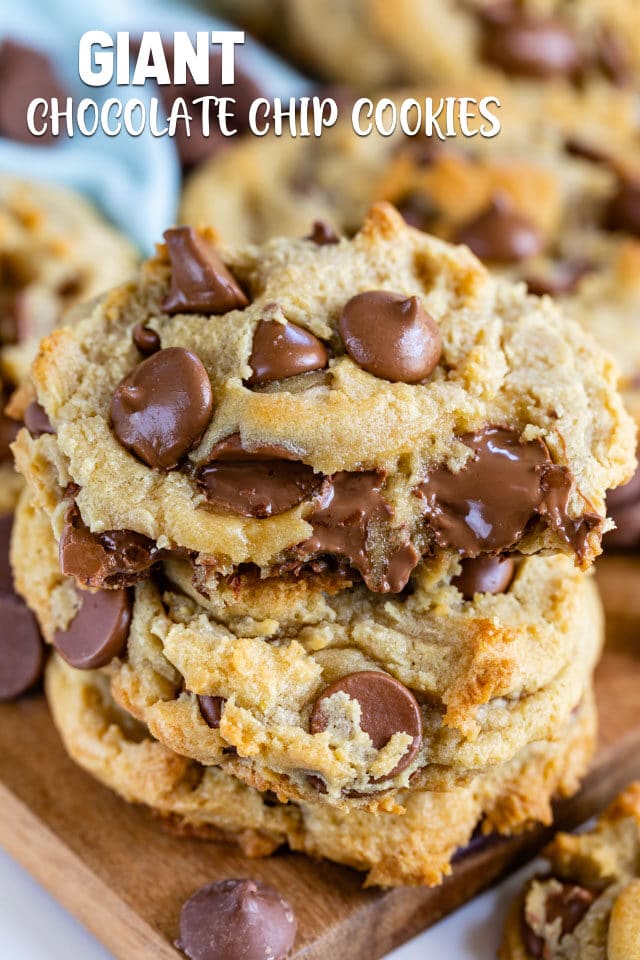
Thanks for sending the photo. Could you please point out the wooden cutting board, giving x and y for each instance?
(125, 877)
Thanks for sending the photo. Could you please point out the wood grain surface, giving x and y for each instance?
(125, 876)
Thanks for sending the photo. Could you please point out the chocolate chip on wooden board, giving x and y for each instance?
(236, 920)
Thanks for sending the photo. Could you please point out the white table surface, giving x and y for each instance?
(34, 927)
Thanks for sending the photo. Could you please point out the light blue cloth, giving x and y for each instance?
(134, 180)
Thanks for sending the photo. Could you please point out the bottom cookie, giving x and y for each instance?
(587, 906)
(415, 848)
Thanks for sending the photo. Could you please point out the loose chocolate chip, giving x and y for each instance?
(8, 432)
(322, 234)
(236, 920)
(488, 505)
(541, 48)
(200, 282)
(564, 277)
(484, 575)
(36, 420)
(386, 706)
(284, 350)
(568, 905)
(21, 648)
(211, 710)
(623, 210)
(145, 339)
(113, 558)
(390, 336)
(99, 630)
(501, 234)
(161, 409)
(260, 481)
(350, 506)
(25, 74)
(6, 576)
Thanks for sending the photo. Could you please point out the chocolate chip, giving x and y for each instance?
(8, 432)
(284, 350)
(576, 147)
(36, 420)
(501, 234)
(25, 74)
(623, 210)
(113, 558)
(236, 920)
(386, 706)
(390, 336)
(161, 409)
(211, 710)
(418, 210)
(258, 481)
(564, 277)
(568, 905)
(322, 234)
(21, 648)
(540, 48)
(200, 282)
(6, 576)
(623, 506)
(145, 339)
(349, 509)
(488, 505)
(614, 57)
(484, 575)
(98, 631)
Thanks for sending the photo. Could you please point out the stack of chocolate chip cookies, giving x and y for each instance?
(309, 526)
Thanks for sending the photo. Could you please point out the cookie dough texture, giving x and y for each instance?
(369, 43)
(56, 251)
(597, 869)
(415, 848)
(508, 360)
(492, 676)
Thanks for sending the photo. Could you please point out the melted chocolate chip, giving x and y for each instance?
(488, 505)
(200, 282)
(260, 481)
(98, 631)
(484, 575)
(563, 278)
(161, 409)
(387, 707)
(349, 508)
(568, 905)
(146, 339)
(284, 350)
(322, 234)
(540, 48)
(390, 336)
(501, 234)
(36, 420)
(25, 74)
(114, 558)
(623, 210)
(21, 648)
(211, 710)
(236, 920)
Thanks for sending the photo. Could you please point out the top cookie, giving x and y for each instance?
(368, 43)
(310, 406)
